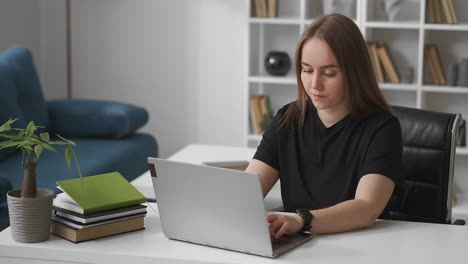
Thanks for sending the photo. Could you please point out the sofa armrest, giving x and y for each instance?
(95, 118)
(5, 186)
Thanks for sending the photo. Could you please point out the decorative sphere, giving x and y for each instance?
(277, 63)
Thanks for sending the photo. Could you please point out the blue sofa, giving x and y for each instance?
(104, 131)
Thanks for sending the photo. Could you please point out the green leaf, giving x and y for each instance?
(45, 136)
(30, 129)
(68, 155)
(59, 143)
(7, 125)
(27, 148)
(48, 147)
(9, 136)
(7, 144)
(66, 140)
(38, 150)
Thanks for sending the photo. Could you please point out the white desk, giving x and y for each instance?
(387, 242)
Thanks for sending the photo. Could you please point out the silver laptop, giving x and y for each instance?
(215, 207)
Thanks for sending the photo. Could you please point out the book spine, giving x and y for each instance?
(447, 12)
(375, 62)
(437, 15)
(387, 64)
(430, 11)
(452, 12)
(438, 65)
(430, 63)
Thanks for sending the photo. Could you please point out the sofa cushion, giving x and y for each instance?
(10, 107)
(127, 156)
(28, 94)
(95, 118)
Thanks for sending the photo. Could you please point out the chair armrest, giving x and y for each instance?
(95, 118)
(5, 186)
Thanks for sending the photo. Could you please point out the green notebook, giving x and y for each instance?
(99, 193)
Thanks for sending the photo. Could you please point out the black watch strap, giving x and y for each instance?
(307, 217)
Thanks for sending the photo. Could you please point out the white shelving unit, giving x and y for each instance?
(405, 39)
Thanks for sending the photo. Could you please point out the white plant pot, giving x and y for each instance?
(30, 217)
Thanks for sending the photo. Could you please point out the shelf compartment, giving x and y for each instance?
(409, 11)
(446, 102)
(402, 46)
(459, 7)
(315, 8)
(400, 98)
(452, 46)
(286, 9)
(270, 37)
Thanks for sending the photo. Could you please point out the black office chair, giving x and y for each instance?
(428, 159)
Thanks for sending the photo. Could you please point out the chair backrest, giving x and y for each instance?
(428, 160)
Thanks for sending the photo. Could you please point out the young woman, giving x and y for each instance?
(337, 149)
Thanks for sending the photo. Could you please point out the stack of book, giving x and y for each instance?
(432, 57)
(261, 113)
(382, 63)
(436, 7)
(266, 8)
(97, 206)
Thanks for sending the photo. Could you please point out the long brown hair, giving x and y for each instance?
(350, 49)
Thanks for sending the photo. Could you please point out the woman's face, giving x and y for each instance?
(323, 80)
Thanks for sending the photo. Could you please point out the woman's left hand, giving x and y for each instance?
(284, 223)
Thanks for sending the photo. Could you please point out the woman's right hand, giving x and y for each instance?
(280, 224)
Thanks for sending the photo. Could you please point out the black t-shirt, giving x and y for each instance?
(320, 167)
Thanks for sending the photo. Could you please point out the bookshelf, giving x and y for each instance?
(405, 38)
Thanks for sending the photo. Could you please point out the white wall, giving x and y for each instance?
(183, 60)
(19, 25)
(180, 59)
(52, 66)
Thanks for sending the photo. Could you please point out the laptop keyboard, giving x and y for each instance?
(279, 242)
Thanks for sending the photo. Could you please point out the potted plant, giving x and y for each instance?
(30, 207)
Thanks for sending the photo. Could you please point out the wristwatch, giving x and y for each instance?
(307, 217)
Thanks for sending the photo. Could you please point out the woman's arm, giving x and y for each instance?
(268, 175)
(372, 195)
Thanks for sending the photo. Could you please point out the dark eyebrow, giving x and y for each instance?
(323, 67)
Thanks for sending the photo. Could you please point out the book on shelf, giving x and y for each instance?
(97, 193)
(452, 12)
(266, 8)
(431, 63)
(85, 234)
(430, 11)
(272, 8)
(436, 10)
(255, 114)
(261, 113)
(99, 216)
(78, 225)
(260, 8)
(435, 68)
(387, 64)
(375, 62)
(447, 12)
